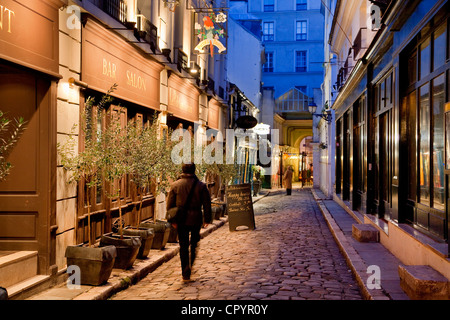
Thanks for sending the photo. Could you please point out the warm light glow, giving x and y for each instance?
(262, 129)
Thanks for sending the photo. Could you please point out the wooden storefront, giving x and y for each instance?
(108, 59)
(29, 69)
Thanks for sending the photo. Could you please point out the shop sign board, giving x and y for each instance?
(29, 34)
(240, 207)
(107, 59)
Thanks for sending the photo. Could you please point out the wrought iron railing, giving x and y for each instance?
(147, 31)
(116, 9)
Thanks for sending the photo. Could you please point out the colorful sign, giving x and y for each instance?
(210, 33)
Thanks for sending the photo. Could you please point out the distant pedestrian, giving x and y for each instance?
(288, 180)
(194, 219)
(310, 173)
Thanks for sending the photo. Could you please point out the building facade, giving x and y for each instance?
(152, 51)
(292, 35)
(390, 128)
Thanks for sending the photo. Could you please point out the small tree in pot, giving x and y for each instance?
(85, 166)
(161, 171)
(146, 156)
(115, 168)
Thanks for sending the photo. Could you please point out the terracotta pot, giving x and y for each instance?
(127, 248)
(146, 234)
(95, 264)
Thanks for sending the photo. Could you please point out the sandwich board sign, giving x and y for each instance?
(240, 207)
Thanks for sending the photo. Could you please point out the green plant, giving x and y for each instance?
(113, 160)
(226, 171)
(148, 158)
(7, 141)
(87, 165)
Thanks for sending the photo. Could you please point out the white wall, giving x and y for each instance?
(244, 61)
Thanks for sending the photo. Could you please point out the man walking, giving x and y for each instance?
(194, 218)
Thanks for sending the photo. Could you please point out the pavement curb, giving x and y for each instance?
(354, 261)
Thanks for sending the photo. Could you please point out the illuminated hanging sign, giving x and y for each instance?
(262, 129)
(210, 33)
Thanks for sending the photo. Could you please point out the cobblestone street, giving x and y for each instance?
(291, 255)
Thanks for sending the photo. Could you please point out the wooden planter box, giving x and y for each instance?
(127, 248)
(95, 264)
(146, 235)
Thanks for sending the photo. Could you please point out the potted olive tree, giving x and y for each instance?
(145, 152)
(115, 168)
(225, 173)
(95, 263)
(163, 171)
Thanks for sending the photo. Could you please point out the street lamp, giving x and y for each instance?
(312, 107)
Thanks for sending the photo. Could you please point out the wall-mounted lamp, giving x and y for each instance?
(194, 68)
(312, 107)
(73, 82)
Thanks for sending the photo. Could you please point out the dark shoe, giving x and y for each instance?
(186, 274)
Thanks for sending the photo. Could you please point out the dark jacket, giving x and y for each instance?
(178, 194)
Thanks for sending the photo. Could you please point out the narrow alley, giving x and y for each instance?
(291, 255)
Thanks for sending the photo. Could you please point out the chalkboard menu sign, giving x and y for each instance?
(240, 206)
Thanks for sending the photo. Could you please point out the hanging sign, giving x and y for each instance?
(210, 33)
(246, 122)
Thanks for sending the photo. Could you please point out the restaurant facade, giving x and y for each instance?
(78, 50)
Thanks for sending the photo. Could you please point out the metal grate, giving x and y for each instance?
(116, 9)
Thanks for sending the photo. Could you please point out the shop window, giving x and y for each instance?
(430, 87)
(410, 112)
(438, 94)
(425, 58)
(412, 69)
(383, 93)
(424, 144)
(439, 46)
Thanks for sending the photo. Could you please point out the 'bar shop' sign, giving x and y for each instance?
(240, 206)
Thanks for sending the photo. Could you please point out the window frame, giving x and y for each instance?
(268, 37)
(268, 69)
(301, 5)
(417, 80)
(298, 68)
(270, 7)
(303, 25)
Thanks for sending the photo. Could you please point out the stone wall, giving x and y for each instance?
(68, 106)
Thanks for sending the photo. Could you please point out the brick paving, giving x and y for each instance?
(291, 255)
